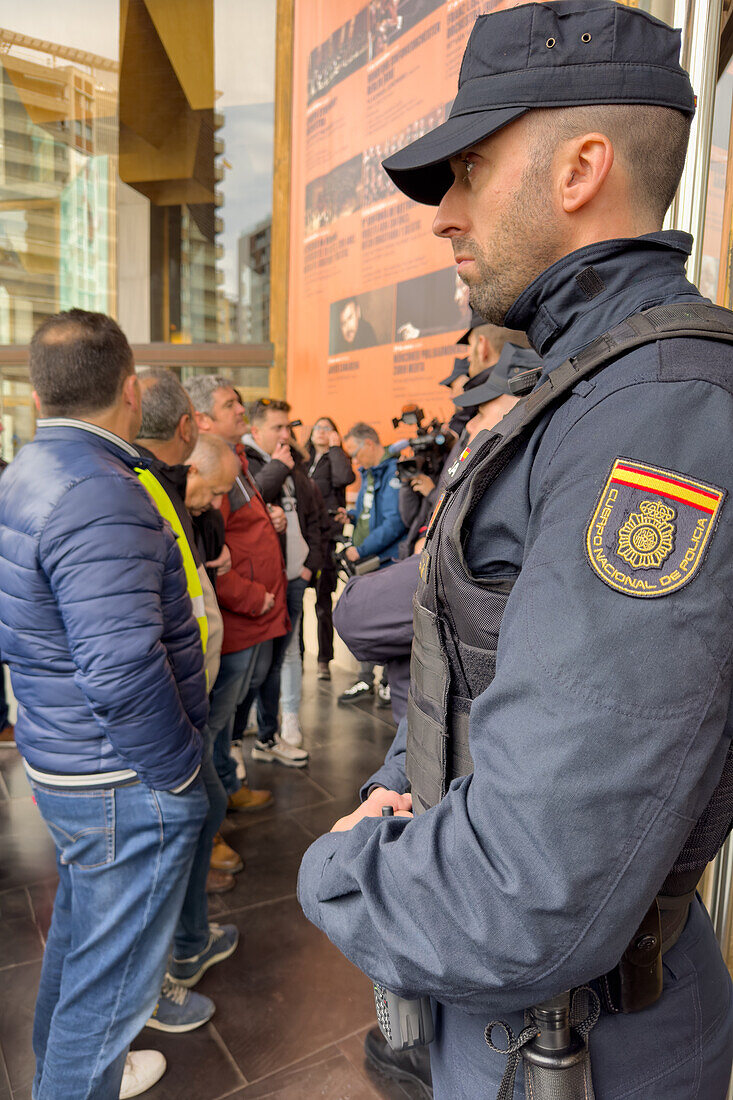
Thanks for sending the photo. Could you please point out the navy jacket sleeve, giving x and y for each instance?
(389, 526)
(391, 775)
(596, 747)
(120, 588)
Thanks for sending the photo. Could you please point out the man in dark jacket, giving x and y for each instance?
(191, 475)
(281, 479)
(331, 471)
(105, 660)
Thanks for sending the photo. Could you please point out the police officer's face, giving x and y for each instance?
(499, 216)
(490, 413)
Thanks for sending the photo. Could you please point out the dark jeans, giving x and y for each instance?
(124, 857)
(325, 588)
(4, 713)
(231, 684)
(265, 682)
(192, 932)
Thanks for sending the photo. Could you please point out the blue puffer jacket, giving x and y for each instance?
(95, 621)
(386, 529)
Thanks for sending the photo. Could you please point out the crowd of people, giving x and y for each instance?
(205, 523)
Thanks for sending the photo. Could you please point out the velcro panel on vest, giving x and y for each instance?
(426, 712)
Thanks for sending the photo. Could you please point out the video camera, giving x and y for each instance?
(349, 568)
(429, 447)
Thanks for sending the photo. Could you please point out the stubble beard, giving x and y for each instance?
(525, 242)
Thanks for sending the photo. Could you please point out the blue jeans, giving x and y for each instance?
(192, 933)
(268, 690)
(231, 684)
(124, 856)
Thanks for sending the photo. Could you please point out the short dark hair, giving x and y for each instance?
(78, 363)
(164, 402)
(258, 410)
(650, 141)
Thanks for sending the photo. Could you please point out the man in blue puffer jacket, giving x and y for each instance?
(106, 664)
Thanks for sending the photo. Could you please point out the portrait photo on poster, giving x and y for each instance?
(430, 304)
(362, 321)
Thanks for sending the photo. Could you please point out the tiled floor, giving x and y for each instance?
(291, 1012)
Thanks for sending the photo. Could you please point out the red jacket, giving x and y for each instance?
(257, 568)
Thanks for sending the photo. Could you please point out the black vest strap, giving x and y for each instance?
(697, 320)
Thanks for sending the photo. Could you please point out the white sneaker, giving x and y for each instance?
(279, 751)
(290, 730)
(142, 1069)
(238, 757)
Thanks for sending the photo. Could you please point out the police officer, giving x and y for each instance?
(598, 728)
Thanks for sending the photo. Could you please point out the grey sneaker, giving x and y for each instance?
(223, 940)
(278, 751)
(178, 1009)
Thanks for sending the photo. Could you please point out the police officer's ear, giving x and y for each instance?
(583, 166)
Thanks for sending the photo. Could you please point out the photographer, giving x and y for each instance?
(330, 469)
(378, 527)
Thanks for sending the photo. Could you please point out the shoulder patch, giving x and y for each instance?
(651, 528)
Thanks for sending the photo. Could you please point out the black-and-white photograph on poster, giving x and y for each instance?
(362, 321)
(339, 56)
(430, 304)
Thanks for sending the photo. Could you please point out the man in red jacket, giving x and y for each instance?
(252, 594)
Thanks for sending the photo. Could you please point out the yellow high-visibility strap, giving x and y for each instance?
(164, 504)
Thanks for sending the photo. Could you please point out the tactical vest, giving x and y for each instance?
(457, 615)
(165, 506)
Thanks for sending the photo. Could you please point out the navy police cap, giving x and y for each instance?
(476, 321)
(566, 54)
(460, 367)
(511, 362)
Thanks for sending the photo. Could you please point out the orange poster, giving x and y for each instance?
(375, 305)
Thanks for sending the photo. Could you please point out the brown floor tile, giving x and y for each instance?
(20, 939)
(13, 773)
(28, 853)
(285, 992)
(342, 771)
(199, 1067)
(319, 819)
(292, 788)
(272, 851)
(43, 895)
(18, 986)
(332, 1079)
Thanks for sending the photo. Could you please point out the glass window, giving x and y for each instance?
(136, 168)
(717, 258)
